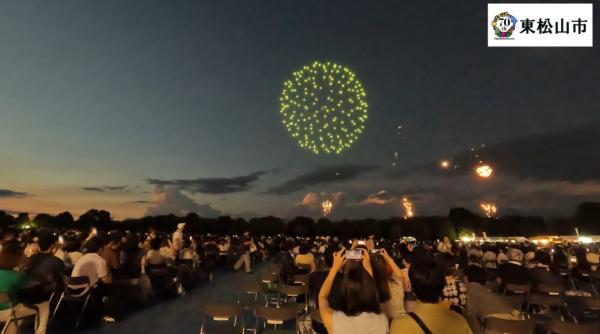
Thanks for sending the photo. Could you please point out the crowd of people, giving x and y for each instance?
(383, 286)
(369, 285)
(122, 269)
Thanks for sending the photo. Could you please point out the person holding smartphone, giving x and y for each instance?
(360, 311)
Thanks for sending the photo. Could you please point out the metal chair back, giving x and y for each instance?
(497, 325)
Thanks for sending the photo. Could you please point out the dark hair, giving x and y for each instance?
(474, 258)
(115, 237)
(72, 244)
(11, 255)
(358, 292)
(427, 280)
(131, 244)
(476, 274)
(328, 255)
(543, 258)
(304, 248)
(91, 246)
(381, 277)
(582, 262)
(45, 240)
(447, 263)
(155, 243)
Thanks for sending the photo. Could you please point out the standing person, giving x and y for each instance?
(445, 246)
(177, 241)
(430, 315)
(245, 254)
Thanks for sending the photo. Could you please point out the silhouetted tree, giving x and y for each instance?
(465, 219)
(587, 217)
(301, 227)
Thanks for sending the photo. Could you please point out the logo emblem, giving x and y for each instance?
(504, 24)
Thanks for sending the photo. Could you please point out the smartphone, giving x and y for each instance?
(61, 239)
(354, 254)
(362, 242)
(377, 251)
(95, 231)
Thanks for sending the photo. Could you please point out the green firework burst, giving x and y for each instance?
(324, 107)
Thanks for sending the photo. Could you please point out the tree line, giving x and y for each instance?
(459, 222)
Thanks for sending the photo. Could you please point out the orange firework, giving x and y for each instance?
(327, 206)
(408, 208)
(489, 209)
(484, 171)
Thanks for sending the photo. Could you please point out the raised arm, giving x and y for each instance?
(324, 309)
(392, 264)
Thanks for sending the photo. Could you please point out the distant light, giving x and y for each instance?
(585, 240)
(445, 164)
(484, 171)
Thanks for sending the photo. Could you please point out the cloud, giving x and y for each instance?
(142, 202)
(379, 198)
(321, 175)
(213, 185)
(5, 193)
(310, 205)
(102, 189)
(170, 200)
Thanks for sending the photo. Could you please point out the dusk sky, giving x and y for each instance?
(154, 107)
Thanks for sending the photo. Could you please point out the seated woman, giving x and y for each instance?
(11, 281)
(361, 310)
(305, 259)
(389, 279)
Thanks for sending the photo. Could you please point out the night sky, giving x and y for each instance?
(152, 107)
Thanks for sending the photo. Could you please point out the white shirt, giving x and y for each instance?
(91, 265)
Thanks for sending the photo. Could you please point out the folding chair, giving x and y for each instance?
(497, 325)
(222, 313)
(517, 288)
(274, 268)
(578, 306)
(544, 300)
(303, 268)
(268, 280)
(301, 279)
(516, 301)
(276, 316)
(560, 327)
(5, 299)
(77, 289)
(251, 288)
(292, 291)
